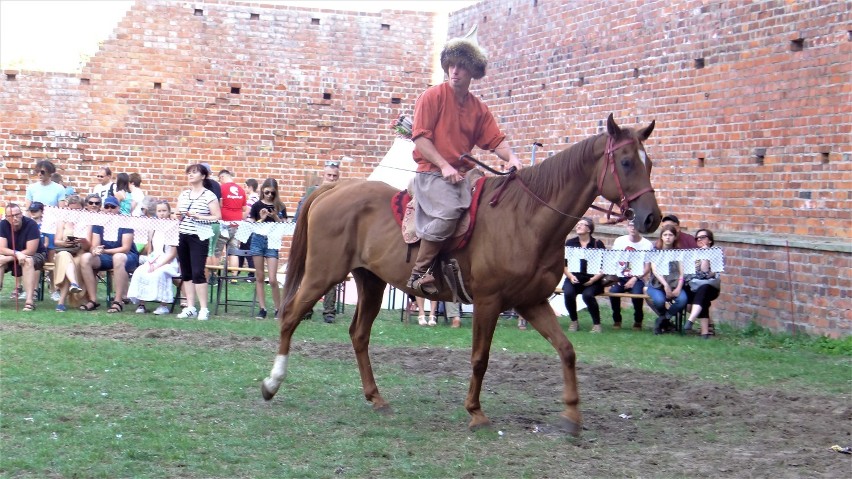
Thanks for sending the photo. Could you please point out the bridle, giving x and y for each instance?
(624, 204)
(611, 147)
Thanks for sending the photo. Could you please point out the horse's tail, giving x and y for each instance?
(299, 248)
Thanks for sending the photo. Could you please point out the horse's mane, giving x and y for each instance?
(548, 177)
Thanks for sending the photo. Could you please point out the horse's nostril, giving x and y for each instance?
(629, 214)
(649, 220)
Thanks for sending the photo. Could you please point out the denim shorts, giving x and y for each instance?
(130, 265)
(258, 247)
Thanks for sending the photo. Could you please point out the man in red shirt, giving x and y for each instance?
(448, 122)
(234, 209)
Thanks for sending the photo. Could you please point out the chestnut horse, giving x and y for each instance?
(514, 258)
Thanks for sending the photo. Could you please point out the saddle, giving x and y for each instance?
(402, 207)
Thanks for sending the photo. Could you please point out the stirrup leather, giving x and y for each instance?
(423, 283)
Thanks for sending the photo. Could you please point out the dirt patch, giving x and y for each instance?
(636, 424)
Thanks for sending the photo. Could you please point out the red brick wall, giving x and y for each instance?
(279, 125)
(638, 61)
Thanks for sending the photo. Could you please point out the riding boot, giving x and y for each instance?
(421, 279)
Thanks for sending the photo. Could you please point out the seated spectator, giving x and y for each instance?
(630, 281)
(584, 283)
(706, 291)
(271, 209)
(152, 280)
(22, 252)
(119, 256)
(67, 261)
(684, 240)
(92, 203)
(44, 190)
(666, 289)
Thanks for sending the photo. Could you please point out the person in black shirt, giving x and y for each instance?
(21, 251)
(587, 284)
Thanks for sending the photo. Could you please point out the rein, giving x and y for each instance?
(611, 147)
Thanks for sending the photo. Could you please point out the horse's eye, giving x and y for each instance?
(625, 163)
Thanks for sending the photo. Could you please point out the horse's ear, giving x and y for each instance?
(611, 128)
(644, 133)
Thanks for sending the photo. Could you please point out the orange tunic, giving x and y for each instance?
(453, 129)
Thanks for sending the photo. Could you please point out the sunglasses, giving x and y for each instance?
(93, 203)
(701, 237)
(42, 172)
(267, 192)
(100, 176)
(110, 207)
(333, 164)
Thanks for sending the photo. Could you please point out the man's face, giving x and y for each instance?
(111, 209)
(75, 206)
(330, 174)
(103, 177)
(459, 75)
(224, 179)
(15, 217)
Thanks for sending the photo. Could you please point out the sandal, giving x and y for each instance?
(89, 306)
(421, 320)
(28, 307)
(115, 307)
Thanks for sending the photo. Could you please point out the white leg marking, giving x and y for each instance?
(277, 375)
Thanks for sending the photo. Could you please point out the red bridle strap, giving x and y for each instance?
(611, 148)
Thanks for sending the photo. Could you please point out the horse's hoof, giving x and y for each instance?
(266, 393)
(568, 426)
(383, 409)
(479, 425)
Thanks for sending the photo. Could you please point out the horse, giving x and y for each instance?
(514, 257)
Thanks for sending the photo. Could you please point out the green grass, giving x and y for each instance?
(77, 405)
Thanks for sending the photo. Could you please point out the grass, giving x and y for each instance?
(98, 406)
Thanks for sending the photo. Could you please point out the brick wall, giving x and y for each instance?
(752, 102)
(264, 91)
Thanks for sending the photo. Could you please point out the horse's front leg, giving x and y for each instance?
(484, 321)
(543, 319)
(290, 316)
(370, 290)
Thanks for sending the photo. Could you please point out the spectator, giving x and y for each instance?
(448, 122)
(44, 190)
(93, 203)
(268, 209)
(122, 192)
(137, 195)
(67, 271)
(629, 281)
(665, 289)
(22, 252)
(707, 286)
(36, 213)
(119, 256)
(582, 282)
(105, 186)
(74, 202)
(214, 257)
(251, 199)
(152, 280)
(198, 209)
(57, 178)
(233, 211)
(684, 240)
(330, 174)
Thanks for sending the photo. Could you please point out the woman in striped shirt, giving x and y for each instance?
(197, 209)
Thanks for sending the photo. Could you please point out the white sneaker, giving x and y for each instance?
(161, 310)
(203, 314)
(55, 296)
(187, 312)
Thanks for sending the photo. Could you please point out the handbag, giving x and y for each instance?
(696, 283)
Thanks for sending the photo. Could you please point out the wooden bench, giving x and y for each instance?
(680, 319)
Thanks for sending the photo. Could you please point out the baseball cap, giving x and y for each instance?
(111, 200)
(671, 218)
(207, 167)
(36, 206)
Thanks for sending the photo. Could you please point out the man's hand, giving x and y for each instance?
(514, 161)
(450, 174)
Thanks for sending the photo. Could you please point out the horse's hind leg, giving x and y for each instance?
(543, 319)
(370, 290)
(289, 316)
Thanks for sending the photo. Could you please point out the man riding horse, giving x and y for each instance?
(448, 122)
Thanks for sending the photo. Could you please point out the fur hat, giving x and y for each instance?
(466, 52)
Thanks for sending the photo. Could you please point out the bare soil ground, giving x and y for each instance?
(677, 426)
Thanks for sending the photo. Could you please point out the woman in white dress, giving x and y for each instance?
(152, 280)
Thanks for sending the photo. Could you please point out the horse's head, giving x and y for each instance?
(624, 175)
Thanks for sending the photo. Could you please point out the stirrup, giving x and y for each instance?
(423, 283)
